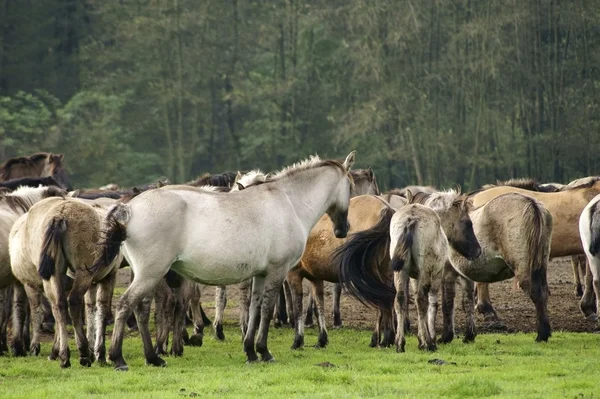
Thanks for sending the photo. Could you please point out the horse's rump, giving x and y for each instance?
(52, 247)
(595, 229)
(402, 253)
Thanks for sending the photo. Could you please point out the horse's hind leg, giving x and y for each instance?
(81, 285)
(221, 302)
(37, 316)
(310, 307)
(198, 321)
(5, 299)
(18, 318)
(90, 317)
(401, 306)
(272, 285)
(386, 326)
(318, 294)
(258, 284)
(288, 302)
(337, 317)
(104, 292)
(448, 295)
(595, 277)
(468, 304)
(425, 340)
(537, 288)
(55, 292)
(163, 315)
(294, 279)
(587, 304)
(484, 304)
(575, 261)
(178, 320)
(244, 292)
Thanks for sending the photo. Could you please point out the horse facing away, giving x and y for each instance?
(589, 228)
(41, 164)
(192, 230)
(364, 248)
(565, 207)
(57, 237)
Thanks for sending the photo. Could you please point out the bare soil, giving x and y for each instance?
(514, 308)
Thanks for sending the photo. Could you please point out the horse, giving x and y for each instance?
(515, 232)
(526, 184)
(589, 228)
(191, 231)
(13, 184)
(419, 250)
(364, 260)
(58, 237)
(12, 206)
(36, 165)
(365, 183)
(565, 207)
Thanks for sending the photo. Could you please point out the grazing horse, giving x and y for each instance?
(364, 260)
(12, 206)
(515, 233)
(191, 232)
(419, 250)
(565, 207)
(57, 237)
(41, 164)
(589, 228)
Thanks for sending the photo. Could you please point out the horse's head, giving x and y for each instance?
(54, 167)
(338, 210)
(365, 182)
(453, 209)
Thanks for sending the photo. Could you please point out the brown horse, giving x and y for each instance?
(57, 237)
(12, 206)
(565, 207)
(41, 164)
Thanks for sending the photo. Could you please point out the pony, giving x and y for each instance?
(57, 237)
(371, 284)
(12, 206)
(565, 207)
(191, 232)
(13, 184)
(41, 164)
(589, 229)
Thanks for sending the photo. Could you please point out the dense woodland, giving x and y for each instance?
(430, 92)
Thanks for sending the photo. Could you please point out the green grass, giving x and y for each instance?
(495, 366)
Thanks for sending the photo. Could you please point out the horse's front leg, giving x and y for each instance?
(258, 284)
(179, 320)
(468, 305)
(104, 292)
(245, 297)
(5, 303)
(220, 304)
(337, 316)
(577, 275)
(484, 303)
(448, 295)
(318, 295)
(19, 305)
(272, 285)
(401, 306)
(198, 321)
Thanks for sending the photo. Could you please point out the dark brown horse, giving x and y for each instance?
(41, 164)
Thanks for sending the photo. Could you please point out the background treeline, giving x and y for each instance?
(431, 92)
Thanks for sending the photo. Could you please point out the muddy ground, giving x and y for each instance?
(515, 310)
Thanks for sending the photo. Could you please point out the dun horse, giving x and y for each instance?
(565, 207)
(191, 232)
(371, 285)
(37, 165)
(57, 237)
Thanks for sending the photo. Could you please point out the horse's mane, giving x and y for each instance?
(23, 198)
(249, 179)
(525, 184)
(439, 200)
(592, 180)
(221, 180)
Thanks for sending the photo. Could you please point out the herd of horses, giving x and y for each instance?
(317, 220)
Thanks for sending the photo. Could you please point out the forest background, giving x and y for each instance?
(429, 92)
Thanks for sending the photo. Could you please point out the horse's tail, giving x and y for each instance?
(51, 248)
(538, 221)
(595, 229)
(358, 262)
(114, 233)
(402, 253)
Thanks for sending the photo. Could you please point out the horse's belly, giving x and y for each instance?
(490, 270)
(217, 274)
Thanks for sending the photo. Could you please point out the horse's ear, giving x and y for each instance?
(240, 186)
(370, 172)
(61, 157)
(409, 196)
(136, 190)
(350, 160)
(160, 184)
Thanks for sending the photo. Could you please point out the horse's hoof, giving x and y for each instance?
(65, 365)
(298, 342)
(122, 368)
(337, 326)
(196, 340)
(446, 338)
(592, 317)
(85, 362)
(579, 291)
(35, 350)
(277, 324)
(267, 358)
(399, 349)
(156, 362)
(219, 332)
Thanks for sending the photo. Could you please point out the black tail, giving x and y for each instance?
(359, 261)
(595, 229)
(402, 251)
(114, 233)
(51, 249)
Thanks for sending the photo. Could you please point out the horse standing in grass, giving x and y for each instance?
(192, 231)
(41, 164)
(359, 256)
(589, 228)
(57, 237)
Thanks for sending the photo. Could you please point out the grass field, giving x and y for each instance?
(495, 366)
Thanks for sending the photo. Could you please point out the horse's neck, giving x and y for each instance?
(311, 193)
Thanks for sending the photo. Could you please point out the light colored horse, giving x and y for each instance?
(515, 233)
(589, 228)
(12, 206)
(565, 208)
(360, 256)
(192, 231)
(58, 237)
